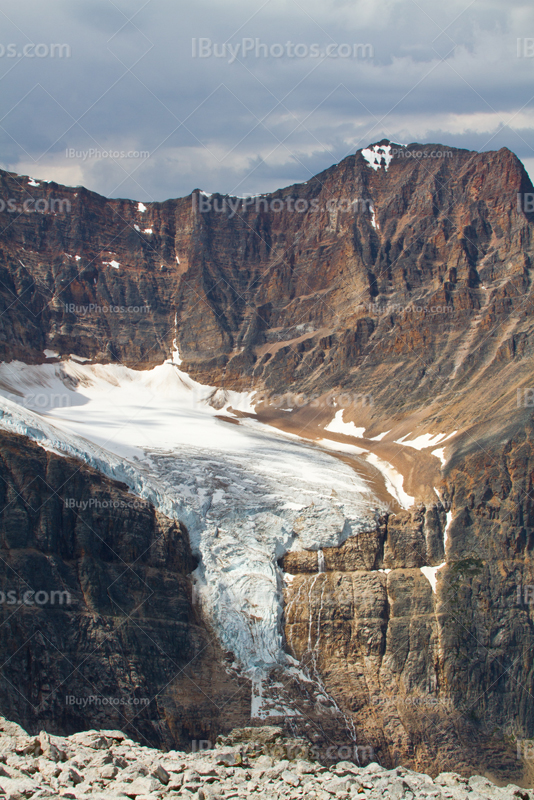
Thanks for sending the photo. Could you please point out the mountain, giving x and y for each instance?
(328, 391)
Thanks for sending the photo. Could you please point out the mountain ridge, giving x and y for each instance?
(393, 310)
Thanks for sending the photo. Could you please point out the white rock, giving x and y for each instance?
(291, 778)
(144, 786)
(49, 749)
(70, 775)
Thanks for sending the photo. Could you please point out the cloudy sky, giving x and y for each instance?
(150, 99)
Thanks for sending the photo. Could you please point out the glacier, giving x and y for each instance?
(247, 492)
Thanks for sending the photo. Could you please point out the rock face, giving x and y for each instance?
(440, 676)
(402, 296)
(249, 763)
(98, 624)
(307, 299)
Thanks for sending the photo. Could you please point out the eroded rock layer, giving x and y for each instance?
(97, 620)
(441, 674)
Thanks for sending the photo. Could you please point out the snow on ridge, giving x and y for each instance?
(247, 493)
(422, 441)
(377, 156)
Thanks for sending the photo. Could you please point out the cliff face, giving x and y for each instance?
(98, 624)
(402, 296)
(409, 270)
(436, 675)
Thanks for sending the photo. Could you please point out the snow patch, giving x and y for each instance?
(262, 707)
(379, 437)
(141, 207)
(377, 156)
(348, 428)
(51, 354)
(33, 182)
(431, 574)
(148, 230)
(394, 480)
(440, 453)
(446, 531)
(114, 264)
(175, 351)
(423, 441)
(341, 447)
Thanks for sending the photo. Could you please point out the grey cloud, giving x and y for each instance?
(258, 123)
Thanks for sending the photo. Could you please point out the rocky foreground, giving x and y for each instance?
(251, 762)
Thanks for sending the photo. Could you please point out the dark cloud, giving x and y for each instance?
(445, 72)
